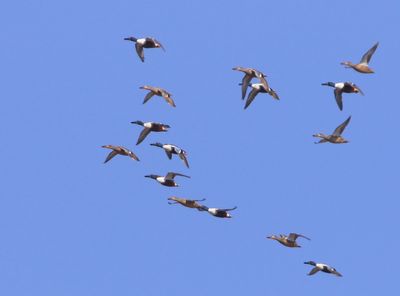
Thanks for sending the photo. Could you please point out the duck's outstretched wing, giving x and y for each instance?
(358, 88)
(131, 154)
(110, 156)
(335, 272)
(338, 98)
(367, 56)
(227, 210)
(169, 100)
(313, 271)
(245, 84)
(145, 132)
(293, 236)
(273, 94)
(339, 130)
(184, 159)
(159, 43)
(139, 50)
(148, 97)
(251, 97)
(172, 175)
(262, 79)
(169, 154)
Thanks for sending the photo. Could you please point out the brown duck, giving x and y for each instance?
(149, 127)
(119, 150)
(362, 66)
(336, 137)
(289, 240)
(343, 87)
(158, 92)
(189, 203)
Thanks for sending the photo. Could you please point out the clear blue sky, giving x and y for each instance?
(71, 225)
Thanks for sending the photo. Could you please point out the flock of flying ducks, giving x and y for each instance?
(261, 87)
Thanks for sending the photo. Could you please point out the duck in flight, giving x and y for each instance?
(173, 149)
(158, 92)
(288, 240)
(167, 180)
(189, 203)
(336, 137)
(322, 267)
(148, 42)
(363, 66)
(216, 212)
(149, 127)
(119, 150)
(249, 74)
(343, 87)
(256, 89)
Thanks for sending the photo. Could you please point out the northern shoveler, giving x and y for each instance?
(173, 149)
(189, 203)
(158, 92)
(259, 88)
(148, 42)
(216, 212)
(336, 137)
(167, 180)
(362, 66)
(119, 150)
(289, 240)
(322, 267)
(343, 87)
(150, 127)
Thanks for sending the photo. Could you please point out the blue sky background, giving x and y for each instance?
(71, 225)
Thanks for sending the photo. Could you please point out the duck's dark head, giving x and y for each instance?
(157, 144)
(310, 263)
(151, 176)
(133, 39)
(138, 122)
(272, 237)
(328, 84)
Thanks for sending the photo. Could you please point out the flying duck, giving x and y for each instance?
(336, 137)
(288, 241)
(119, 150)
(250, 73)
(321, 267)
(343, 87)
(189, 203)
(220, 213)
(257, 88)
(167, 180)
(141, 43)
(172, 149)
(150, 127)
(362, 66)
(158, 92)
